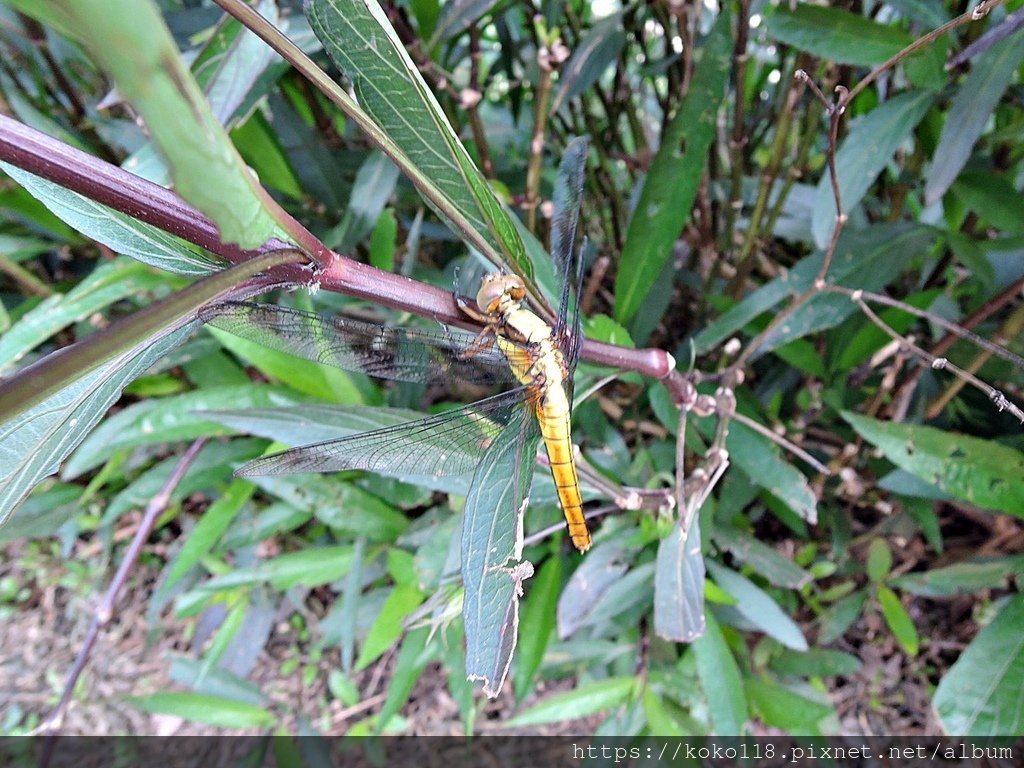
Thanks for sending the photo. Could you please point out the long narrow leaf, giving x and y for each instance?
(147, 67)
(359, 38)
(979, 471)
(674, 177)
(972, 107)
(492, 547)
(118, 231)
(679, 585)
(48, 408)
(864, 153)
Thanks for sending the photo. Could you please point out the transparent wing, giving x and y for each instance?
(568, 197)
(387, 352)
(445, 444)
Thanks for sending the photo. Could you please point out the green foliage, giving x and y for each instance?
(709, 204)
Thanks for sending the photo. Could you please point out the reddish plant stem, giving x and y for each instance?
(114, 187)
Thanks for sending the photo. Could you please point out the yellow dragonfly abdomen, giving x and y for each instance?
(537, 362)
(553, 415)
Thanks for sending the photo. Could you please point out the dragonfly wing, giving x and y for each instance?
(568, 198)
(447, 443)
(386, 352)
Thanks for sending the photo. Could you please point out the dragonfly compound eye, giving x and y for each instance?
(495, 288)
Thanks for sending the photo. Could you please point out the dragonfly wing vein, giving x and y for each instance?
(448, 443)
(386, 352)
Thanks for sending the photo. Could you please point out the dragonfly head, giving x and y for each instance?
(500, 293)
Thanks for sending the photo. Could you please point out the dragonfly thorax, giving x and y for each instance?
(500, 294)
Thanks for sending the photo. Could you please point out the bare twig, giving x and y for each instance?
(471, 98)
(1012, 23)
(105, 610)
(977, 12)
(550, 53)
(782, 442)
(738, 138)
(940, 363)
(1011, 329)
(551, 530)
(25, 279)
(956, 330)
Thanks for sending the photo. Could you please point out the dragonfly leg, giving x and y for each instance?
(471, 312)
(483, 341)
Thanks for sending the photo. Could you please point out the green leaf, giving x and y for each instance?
(879, 560)
(232, 63)
(374, 185)
(840, 616)
(633, 592)
(865, 151)
(383, 241)
(980, 694)
(492, 546)
(801, 355)
(456, 16)
(926, 13)
(31, 387)
(760, 460)
(661, 713)
(538, 614)
(720, 678)
(866, 258)
(413, 657)
(777, 569)
(43, 513)
(215, 681)
(38, 437)
(859, 346)
(308, 567)
(361, 41)
(118, 231)
(387, 627)
(260, 146)
(757, 607)
(109, 283)
(211, 469)
(679, 585)
(203, 708)
(207, 531)
(149, 73)
(598, 49)
(461, 689)
(268, 522)
(674, 176)
(155, 421)
(816, 662)
(963, 578)
(785, 708)
(305, 424)
(993, 198)
(991, 73)
(324, 382)
(836, 35)
(981, 472)
(582, 701)
(603, 566)
(898, 619)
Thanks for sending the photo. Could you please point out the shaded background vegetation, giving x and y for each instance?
(874, 597)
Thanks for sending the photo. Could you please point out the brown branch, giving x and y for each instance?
(112, 186)
(940, 363)
(105, 610)
(979, 11)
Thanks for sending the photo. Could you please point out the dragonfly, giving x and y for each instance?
(517, 349)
